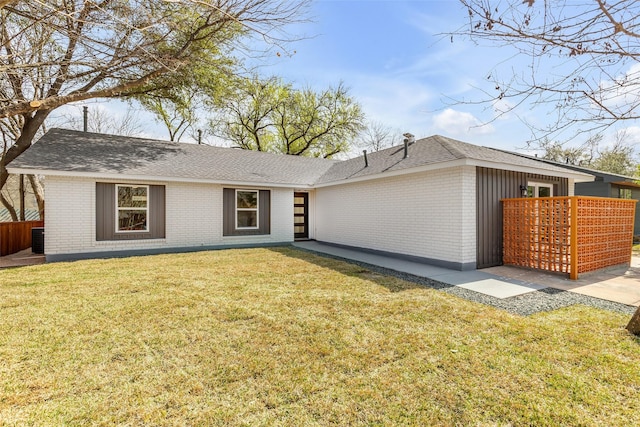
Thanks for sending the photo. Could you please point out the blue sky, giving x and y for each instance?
(398, 65)
(400, 68)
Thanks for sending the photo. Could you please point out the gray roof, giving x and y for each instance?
(83, 152)
(101, 155)
(600, 175)
(427, 151)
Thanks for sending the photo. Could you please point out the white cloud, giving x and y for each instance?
(623, 93)
(460, 124)
(627, 135)
(631, 135)
(397, 103)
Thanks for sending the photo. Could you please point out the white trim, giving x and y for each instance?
(537, 185)
(118, 209)
(153, 178)
(256, 209)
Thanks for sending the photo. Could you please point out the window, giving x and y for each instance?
(246, 212)
(625, 193)
(121, 216)
(132, 208)
(539, 189)
(246, 209)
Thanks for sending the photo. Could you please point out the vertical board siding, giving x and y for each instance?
(229, 214)
(157, 211)
(492, 185)
(106, 214)
(16, 236)
(105, 211)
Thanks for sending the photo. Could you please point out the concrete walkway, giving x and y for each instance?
(22, 258)
(622, 286)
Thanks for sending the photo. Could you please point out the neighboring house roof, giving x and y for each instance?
(599, 175)
(29, 215)
(66, 152)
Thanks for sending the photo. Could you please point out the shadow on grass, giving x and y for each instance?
(372, 273)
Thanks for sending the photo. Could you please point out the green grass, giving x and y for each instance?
(281, 337)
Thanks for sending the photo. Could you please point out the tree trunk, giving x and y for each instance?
(634, 323)
(28, 132)
(10, 208)
(22, 213)
(4, 3)
(38, 192)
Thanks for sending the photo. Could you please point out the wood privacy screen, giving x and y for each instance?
(570, 235)
(16, 236)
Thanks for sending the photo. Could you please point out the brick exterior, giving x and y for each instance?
(193, 218)
(429, 214)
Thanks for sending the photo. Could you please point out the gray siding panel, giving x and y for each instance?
(491, 186)
(228, 214)
(594, 188)
(157, 211)
(105, 211)
(106, 214)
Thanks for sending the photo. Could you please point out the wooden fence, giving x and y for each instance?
(570, 235)
(16, 236)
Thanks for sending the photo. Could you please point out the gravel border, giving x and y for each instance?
(546, 299)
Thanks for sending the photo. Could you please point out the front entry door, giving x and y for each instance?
(301, 215)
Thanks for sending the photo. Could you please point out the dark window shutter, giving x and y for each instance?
(229, 214)
(106, 214)
(105, 211)
(157, 211)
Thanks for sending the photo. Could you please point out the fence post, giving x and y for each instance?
(573, 239)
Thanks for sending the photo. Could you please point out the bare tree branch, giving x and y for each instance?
(56, 52)
(583, 60)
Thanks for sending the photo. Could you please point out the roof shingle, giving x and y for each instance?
(75, 151)
(105, 155)
(427, 151)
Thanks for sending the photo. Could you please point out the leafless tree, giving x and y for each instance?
(582, 60)
(377, 136)
(100, 120)
(57, 52)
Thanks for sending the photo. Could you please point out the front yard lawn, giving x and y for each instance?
(282, 337)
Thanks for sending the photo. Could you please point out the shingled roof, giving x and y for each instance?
(84, 153)
(70, 152)
(430, 151)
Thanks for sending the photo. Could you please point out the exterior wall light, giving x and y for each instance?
(523, 190)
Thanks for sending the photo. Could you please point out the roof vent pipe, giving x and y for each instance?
(408, 139)
(85, 117)
(366, 162)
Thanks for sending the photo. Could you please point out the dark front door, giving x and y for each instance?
(301, 215)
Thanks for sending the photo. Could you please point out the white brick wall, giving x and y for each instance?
(430, 214)
(193, 218)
